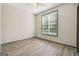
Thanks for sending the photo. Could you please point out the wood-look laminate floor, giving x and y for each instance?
(37, 47)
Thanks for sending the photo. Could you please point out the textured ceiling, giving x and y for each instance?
(29, 7)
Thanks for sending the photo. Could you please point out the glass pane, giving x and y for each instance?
(49, 23)
(44, 24)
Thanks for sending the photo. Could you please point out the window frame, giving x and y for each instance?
(56, 22)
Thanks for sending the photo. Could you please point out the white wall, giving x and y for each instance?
(17, 24)
(0, 27)
(66, 25)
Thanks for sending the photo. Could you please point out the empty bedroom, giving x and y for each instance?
(39, 29)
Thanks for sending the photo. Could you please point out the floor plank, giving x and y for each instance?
(37, 47)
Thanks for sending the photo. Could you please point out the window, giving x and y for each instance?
(50, 23)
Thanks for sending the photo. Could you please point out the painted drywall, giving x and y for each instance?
(0, 27)
(66, 25)
(17, 24)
